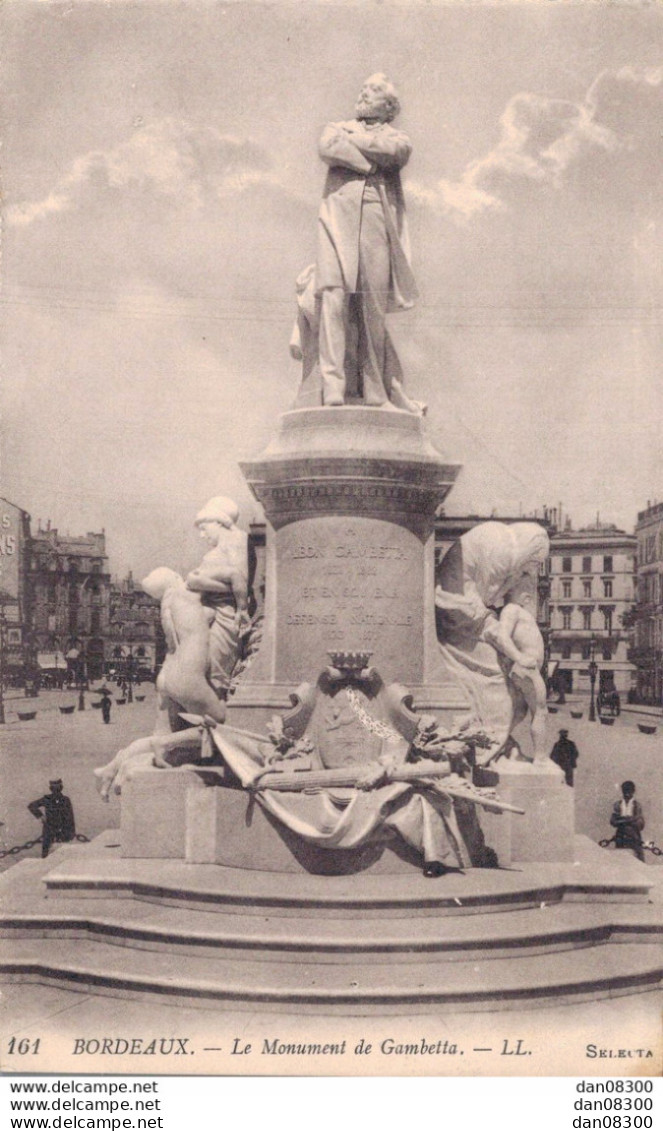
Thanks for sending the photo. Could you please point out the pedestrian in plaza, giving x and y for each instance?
(106, 702)
(627, 819)
(56, 813)
(565, 754)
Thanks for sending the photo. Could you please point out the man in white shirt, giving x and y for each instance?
(628, 821)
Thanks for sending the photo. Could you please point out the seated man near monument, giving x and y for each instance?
(628, 821)
(56, 813)
(517, 636)
(363, 264)
(222, 580)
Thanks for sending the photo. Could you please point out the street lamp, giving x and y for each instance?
(76, 659)
(593, 668)
(129, 667)
(30, 665)
(82, 681)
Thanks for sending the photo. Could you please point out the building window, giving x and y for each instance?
(566, 618)
(566, 651)
(607, 588)
(607, 563)
(606, 652)
(566, 589)
(586, 651)
(586, 588)
(95, 620)
(607, 620)
(586, 618)
(586, 565)
(567, 565)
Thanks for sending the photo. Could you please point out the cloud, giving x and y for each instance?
(542, 138)
(178, 163)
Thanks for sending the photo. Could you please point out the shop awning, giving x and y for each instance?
(52, 661)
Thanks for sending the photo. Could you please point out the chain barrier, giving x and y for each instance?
(31, 843)
(648, 847)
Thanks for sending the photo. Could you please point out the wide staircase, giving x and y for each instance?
(88, 920)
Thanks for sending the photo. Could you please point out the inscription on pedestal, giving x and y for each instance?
(349, 584)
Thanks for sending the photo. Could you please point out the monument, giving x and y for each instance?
(348, 691)
(377, 726)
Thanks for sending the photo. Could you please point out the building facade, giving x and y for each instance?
(592, 575)
(14, 603)
(647, 652)
(68, 586)
(136, 643)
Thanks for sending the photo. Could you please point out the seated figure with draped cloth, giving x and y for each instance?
(353, 765)
(474, 579)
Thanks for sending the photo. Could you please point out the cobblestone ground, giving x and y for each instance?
(54, 745)
(71, 746)
(608, 755)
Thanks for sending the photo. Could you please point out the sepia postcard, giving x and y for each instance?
(331, 538)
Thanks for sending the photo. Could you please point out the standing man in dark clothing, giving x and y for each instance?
(628, 821)
(565, 754)
(56, 813)
(106, 707)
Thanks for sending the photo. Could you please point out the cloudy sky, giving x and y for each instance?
(161, 192)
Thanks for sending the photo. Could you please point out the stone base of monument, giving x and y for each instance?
(228, 827)
(546, 830)
(350, 496)
(175, 815)
(208, 935)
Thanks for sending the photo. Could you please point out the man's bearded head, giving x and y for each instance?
(378, 100)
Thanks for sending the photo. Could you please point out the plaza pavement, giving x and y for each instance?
(63, 746)
(72, 746)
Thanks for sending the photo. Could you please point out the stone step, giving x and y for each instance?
(385, 987)
(544, 929)
(93, 874)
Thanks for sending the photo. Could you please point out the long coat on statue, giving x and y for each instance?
(352, 173)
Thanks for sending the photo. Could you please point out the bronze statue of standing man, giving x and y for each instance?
(363, 262)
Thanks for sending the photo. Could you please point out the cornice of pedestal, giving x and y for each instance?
(350, 461)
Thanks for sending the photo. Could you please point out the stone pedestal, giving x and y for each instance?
(350, 496)
(228, 827)
(179, 815)
(546, 831)
(153, 821)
